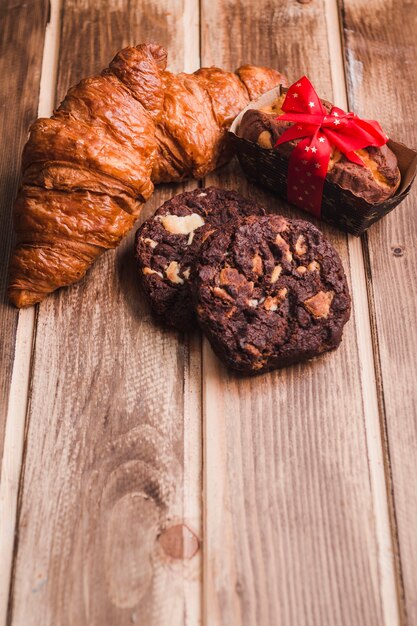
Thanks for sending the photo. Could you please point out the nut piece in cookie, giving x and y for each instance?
(168, 244)
(270, 292)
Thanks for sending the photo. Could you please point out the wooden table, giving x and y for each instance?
(141, 482)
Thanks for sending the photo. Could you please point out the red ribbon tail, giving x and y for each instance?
(352, 156)
(306, 174)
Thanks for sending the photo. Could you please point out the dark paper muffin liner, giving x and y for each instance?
(340, 207)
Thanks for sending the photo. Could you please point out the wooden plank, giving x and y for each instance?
(290, 530)
(380, 58)
(22, 29)
(109, 526)
(20, 382)
(376, 443)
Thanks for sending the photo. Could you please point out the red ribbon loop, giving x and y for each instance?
(319, 132)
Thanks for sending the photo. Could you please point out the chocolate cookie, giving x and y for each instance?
(167, 245)
(269, 292)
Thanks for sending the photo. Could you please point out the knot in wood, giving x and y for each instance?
(179, 542)
(397, 250)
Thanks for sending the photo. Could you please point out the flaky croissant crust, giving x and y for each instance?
(89, 168)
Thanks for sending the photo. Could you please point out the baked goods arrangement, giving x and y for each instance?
(89, 168)
(267, 291)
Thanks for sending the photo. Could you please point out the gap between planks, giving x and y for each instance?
(193, 448)
(373, 427)
(25, 335)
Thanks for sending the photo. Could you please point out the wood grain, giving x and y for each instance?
(109, 526)
(22, 29)
(110, 514)
(380, 58)
(289, 516)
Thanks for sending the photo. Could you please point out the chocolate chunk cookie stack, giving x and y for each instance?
(266, 290)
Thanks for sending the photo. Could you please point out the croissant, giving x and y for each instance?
(88, 169)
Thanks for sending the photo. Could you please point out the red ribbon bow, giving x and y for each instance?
(319, 131)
